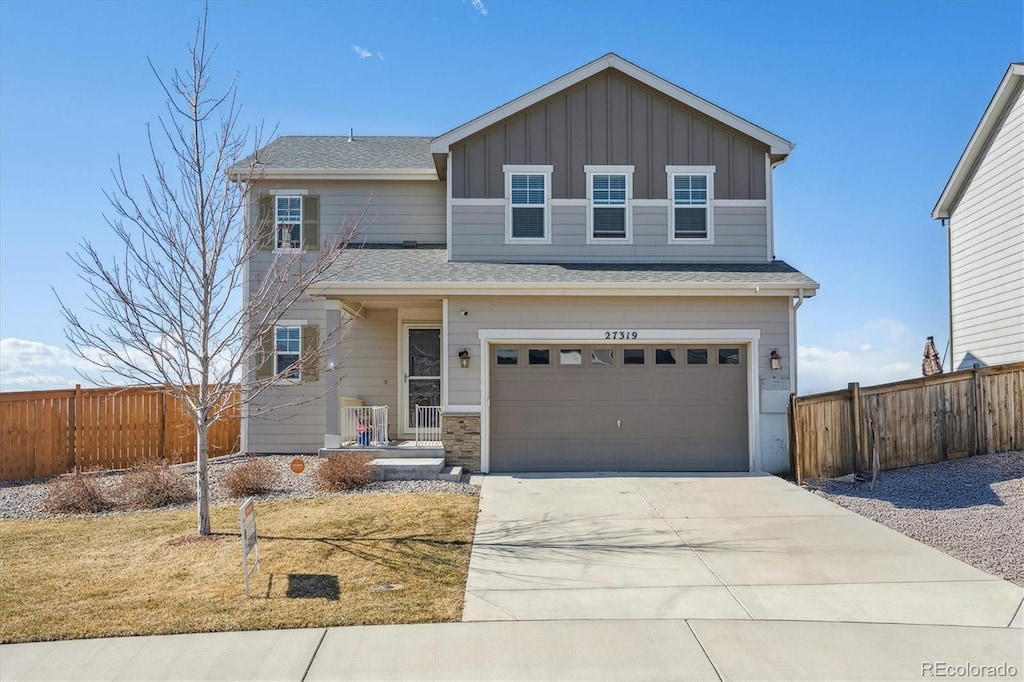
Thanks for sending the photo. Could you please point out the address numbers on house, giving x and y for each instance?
(620, 336)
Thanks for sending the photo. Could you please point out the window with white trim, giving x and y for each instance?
(691, 190)
(287, 349)
(288, 222)
(529, 205)
(610, 189)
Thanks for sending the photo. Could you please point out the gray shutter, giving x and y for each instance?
(311, 222)
(265, 357)
(265, 223)
(310, 348)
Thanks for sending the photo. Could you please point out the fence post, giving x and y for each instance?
(975, 399)
(855, 419)
(794, 441)
(76, 404)
(163, 427)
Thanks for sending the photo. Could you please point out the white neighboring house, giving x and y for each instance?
(983, 207)
(581, 279)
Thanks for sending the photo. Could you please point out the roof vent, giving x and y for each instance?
(409, 244)
(351, 137)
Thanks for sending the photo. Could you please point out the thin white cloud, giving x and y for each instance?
(479, 6)
(380, 56)
(878, 352)
(31, 365)
(362, 53)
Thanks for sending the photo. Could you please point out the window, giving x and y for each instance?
(528, 189)
(506, 356)
(696, 356)
(288, 222)
(728, 356)
(664, 356)
(539, 356)
(633, 356)
(602, 357)
(609, 189)
(570, 356)
(690, 190)
(287, 347)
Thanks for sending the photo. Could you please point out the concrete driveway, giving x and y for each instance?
(732, 547)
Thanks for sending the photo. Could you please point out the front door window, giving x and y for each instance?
(423, 371)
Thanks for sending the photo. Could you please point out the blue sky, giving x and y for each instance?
(880, 98)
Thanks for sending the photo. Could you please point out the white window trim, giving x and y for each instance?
(671, 172)
(591, 171)
(511, 170)
(288, 324)
(288, 194)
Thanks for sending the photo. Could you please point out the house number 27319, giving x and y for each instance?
(620, 336)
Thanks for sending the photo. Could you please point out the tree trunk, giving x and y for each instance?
(202, 482)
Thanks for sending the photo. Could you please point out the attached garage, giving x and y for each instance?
(618, 407)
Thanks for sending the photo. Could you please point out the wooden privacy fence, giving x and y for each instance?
(920, 421)
(44, 433)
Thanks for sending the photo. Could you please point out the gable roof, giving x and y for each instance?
(1001, 101)
(341, 155)
(780, 147)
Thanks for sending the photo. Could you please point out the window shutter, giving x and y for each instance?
(311, 222)
(265, 223)
(265, 358)
(310, 346)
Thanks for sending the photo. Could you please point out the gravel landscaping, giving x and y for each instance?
(24, 499)
(971, 508)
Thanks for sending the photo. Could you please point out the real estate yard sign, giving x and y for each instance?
(250, 544)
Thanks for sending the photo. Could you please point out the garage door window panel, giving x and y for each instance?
(506, 356)
(634, 356)
(696, 356)
(602, 357)
(570, 357)
(539, 356)
(664, 356)
(729, 356)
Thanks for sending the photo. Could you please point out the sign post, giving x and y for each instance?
(250, 544)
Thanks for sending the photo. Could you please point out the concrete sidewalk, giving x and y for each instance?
(538, 650)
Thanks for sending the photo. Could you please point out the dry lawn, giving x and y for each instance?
(324, 561)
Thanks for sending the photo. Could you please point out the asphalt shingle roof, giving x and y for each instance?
(430, 265)
(335, 152)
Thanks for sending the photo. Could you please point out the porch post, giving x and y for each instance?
(332, 432)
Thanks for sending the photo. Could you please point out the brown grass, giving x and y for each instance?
(344, 472)
(323, 562)
(255, 477)
(153, 485)
(77, 494)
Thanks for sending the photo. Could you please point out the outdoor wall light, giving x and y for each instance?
(464, 357)
(776, 359)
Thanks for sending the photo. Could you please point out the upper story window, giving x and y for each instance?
(609, 189)
(528, 217)
(288, 222)
(691, 190)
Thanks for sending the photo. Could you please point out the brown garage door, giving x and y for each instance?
(618, 408)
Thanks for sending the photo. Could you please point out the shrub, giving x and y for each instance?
(77, 494)
(255, 477)
(154, 485)
(344, 472)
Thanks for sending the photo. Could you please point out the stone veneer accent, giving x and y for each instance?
(460, 433)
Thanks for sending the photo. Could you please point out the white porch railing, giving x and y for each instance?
(428, 425)
(364, 425)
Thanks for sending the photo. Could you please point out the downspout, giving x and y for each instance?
(794, 306)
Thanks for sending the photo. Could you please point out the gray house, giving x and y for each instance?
(982, 206)
(581, 279)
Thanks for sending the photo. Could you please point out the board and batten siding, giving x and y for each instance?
(740, 235)
(395, 210)
(609, 119)
(986, 251)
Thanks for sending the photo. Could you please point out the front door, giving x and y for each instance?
(422, 371)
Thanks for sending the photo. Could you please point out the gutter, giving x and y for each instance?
(264, 174)
(561, 289)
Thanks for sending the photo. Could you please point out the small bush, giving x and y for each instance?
(154, 485)
(344, 472)
(78, 494)
(255, 477)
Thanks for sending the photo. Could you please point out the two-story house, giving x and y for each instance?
(581, 279)
(982, 206)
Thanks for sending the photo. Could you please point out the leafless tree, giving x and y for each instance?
(169, 309)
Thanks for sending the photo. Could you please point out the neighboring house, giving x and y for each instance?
(983, 207)
(599, 252)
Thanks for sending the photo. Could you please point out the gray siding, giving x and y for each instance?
(741, 235)
(369, 362)
(394, 210)
(987, 252)
(609, 119)
(768, 314)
